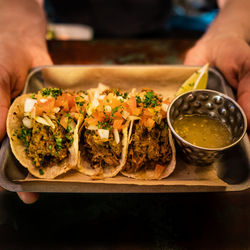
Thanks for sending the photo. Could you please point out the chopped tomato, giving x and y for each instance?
(166, 101)
(149, 123)
(136, 111)
(45, 107)
(70, 99)
(95, 118)
(75, 108)
(64, 121)
(118, 114)
(159, 169)
(163, 114)
(127, 108)
(62, 102)
(132, 103)
(118, 124)
(147, 113)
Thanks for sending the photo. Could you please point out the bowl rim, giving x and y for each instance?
(217, 93)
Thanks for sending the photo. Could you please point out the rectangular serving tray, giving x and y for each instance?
(231, 173)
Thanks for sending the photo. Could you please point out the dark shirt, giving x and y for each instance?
(117, 18)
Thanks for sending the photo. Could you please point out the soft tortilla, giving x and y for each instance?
(109, 171)
(14, 122)
(149, 174)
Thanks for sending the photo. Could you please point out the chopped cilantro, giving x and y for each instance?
(114, 110)
(41, 171)
(58, 144)
(118, 93)
(54, 92)
(24, 135)
(138, 99)
(150, 100)
(69, 128)
(125, 95)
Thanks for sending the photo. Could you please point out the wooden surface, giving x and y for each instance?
(125, 221)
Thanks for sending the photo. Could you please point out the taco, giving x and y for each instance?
(151, 151)
(43, 130)
(104, 135)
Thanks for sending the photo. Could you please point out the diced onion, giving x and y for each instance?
(51, 116)
(92, 127)
(120, 98)
(49, 121)
(29, 104)
(43, 100)
(101, 97)
(125, 114)
(164, 107)
(27, 122)
(103, 133)
(107, 108)
(95, 103)
(116, 135)
(56, 109)
(41, 120)
(90, 109)
(72, 124)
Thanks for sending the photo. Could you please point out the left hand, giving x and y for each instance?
(231, 55)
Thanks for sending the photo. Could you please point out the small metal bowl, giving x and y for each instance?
(215, 105)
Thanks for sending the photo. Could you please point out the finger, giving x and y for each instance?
(4, 101)
(196, 56)
(40, 58)
(244, 97)
(28, 198)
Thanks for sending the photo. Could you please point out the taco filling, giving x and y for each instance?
(44, 130)
(102, 138)
(45, 145)
(150, 150)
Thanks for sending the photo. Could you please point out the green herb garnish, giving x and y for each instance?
(54, 92)
(41, 171)
(24, 135)
(150, 100)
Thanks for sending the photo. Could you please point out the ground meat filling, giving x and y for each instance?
(44, 145)
(100, 153)
(148, 148)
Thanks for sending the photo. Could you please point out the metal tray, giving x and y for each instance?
(231, 173)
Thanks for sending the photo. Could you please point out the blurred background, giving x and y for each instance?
(77, 20)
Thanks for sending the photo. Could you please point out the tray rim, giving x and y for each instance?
(18, 186)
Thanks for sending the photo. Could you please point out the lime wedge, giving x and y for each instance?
(198, 80)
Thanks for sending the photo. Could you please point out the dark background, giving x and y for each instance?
(126, 221)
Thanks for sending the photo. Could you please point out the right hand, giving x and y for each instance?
(16, 58)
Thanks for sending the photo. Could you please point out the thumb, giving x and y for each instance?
(244, 95)
(196, 56)
(41, 59)
(4, 100)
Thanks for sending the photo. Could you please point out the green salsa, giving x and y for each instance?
(203, 131)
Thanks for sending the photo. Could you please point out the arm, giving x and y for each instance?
(225, 46)
(22, 46)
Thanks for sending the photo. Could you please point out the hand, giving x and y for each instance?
(231, 55)
(16, 58)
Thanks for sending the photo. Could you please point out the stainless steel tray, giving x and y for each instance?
(231, 173)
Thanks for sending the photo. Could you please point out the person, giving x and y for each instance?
(22, 47)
